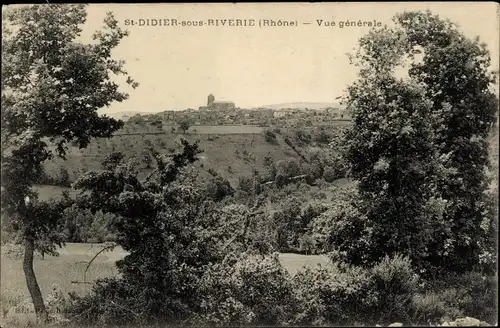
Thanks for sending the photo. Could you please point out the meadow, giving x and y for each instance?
(224, 129)
(67, 270)
(229, 150)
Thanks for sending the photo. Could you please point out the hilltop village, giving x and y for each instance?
(227, 113)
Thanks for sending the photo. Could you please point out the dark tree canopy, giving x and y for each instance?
(52, 87)
(419, 145)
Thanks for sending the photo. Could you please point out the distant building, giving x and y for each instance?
(217, 105)
(278, 114)
(262, 113)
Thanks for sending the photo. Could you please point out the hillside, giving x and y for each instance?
(231, 155)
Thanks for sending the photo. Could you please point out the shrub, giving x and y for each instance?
(101, 227)
(162, 144)
(245, 184)
(218, 188)
(280, 179)
(147, 158)
(431, 308)
(112, 302)
(269, 136)
(76, 224)
(184, 125)
(265, 287)
(302, 137)
(395, 284)
(267, 160)
(246, 290)
(217, 304)
(329, 174)
(471, 294)
(342, 228)
(333, 295)
(321, 136)
(307, 244)
(288, 222)
(113, 160)
(63, 178)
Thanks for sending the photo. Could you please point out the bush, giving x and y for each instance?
(267, 160)
(302, 137)
(101, 227)
(342, 229)
(113, 160)
(218, 188)
(63, 178)
(265, 287)
(333, 295)
(321, 136)
(269, 136)
(81, 226)
(431, 308)
(112, 302)
(76, 224)
(246, 290)
(395, 285)
(471, 294)
(184, 125)
(289, 224)
(280, 180)
(329, 174)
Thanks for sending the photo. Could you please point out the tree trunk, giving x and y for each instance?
(31, 282)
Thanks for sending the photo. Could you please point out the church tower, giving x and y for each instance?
(211, 100)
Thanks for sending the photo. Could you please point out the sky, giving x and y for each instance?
(178, 67)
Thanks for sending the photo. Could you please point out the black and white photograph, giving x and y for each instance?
(288, 164)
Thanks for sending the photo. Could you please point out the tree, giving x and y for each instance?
(137, 119)
(63, 178)
(218, 188)
(52, 87)
(440, 113)
(146, 158)
(157, 123)
(456, 75)
(270, 136)
(170, 232)
(184, 125)
(113, 160)
(392, 155)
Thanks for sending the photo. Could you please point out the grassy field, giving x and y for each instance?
(225, 129)
(46, 192)
(232, 155)
(64, 271)
(67, 270)
(194, 129)
(295, 262)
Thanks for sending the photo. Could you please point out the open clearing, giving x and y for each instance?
(225, 129)
(196, 129)
(68, 269)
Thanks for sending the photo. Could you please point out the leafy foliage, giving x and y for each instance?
(270, 136)
(168, 228)
(246, 290)
(396, 284)
(52, 87)
(418, 145)
(333, 295)
(218, 188)
(184, 125)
